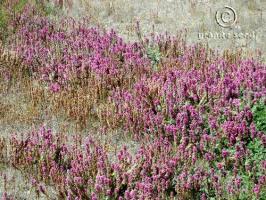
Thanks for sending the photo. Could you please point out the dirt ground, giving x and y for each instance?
(197, 17)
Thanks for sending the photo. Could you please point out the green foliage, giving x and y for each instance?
(154, 55)
(47, 9)
(259, 112)
(257, 154)
(3, 23)
(3, 17)
(20, 6)
(50, 10)
(7, 12)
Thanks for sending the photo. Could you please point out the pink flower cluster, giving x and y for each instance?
(58, 53)
(160, 169)
(182, 99)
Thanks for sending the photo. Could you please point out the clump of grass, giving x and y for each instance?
(9, 13)
(154, 54)
(259, 112)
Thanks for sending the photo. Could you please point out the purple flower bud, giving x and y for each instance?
(220, 165)
(257, 189)
(55, 87)
(225, 153)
